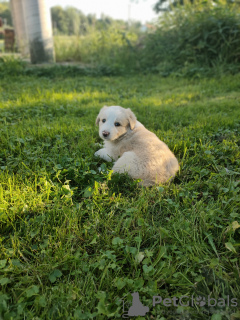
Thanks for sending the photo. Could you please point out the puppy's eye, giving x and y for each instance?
(117, 124)
(103, 120)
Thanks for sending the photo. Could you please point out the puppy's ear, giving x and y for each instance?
(131, 118)
(97, 120)
(98, 117)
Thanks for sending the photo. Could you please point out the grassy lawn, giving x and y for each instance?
(75, 240)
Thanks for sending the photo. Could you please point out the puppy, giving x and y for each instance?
(134, 149)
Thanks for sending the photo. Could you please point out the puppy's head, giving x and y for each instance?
(114, 122)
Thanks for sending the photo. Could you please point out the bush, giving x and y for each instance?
(203, 35)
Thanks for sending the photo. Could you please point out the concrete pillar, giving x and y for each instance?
(19, 26)
(39, 30)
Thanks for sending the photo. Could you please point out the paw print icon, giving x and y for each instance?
(201, 301)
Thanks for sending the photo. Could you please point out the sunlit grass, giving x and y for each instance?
(74, 239)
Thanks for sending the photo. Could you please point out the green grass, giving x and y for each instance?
(74, 241)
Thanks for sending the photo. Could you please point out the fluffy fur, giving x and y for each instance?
(134, 149)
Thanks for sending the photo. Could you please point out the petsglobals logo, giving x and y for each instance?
(138, 309)
(186, 301)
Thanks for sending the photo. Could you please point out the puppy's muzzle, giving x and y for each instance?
(105, 134)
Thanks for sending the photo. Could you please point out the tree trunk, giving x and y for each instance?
(19, 26)
(32, 17)
(39, 29)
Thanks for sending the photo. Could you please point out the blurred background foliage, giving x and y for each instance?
(189, 38)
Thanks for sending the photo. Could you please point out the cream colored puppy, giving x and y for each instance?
(134, 149)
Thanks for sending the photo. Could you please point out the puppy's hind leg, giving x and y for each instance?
(128, 163)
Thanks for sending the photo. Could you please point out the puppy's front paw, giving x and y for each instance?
(102, 153)
(97, 153)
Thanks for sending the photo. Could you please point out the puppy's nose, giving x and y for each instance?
(105, 133)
